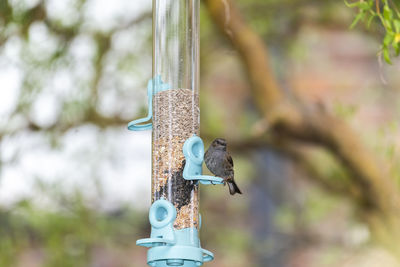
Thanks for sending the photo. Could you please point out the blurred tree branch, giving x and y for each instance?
(90, 116)
(90, 113)
(292, 122)
(304, 157)
(338, 182)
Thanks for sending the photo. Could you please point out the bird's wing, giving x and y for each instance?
(229, 159)
(206, 158)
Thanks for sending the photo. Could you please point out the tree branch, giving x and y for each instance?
(304, 157)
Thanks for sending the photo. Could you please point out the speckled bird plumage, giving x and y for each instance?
(220, 163)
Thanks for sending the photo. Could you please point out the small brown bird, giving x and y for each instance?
(220, 163)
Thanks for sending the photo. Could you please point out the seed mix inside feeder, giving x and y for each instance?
(176, 118)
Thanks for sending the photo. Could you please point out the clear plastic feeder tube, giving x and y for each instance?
(176, 114)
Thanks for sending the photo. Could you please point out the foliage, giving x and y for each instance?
(389, 16)
(66, 237)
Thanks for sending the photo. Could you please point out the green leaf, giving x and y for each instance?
(370, 19)
(396, 48)
(388, 25)
(386, 55)
(364, 6)
(389, 37)
(357, 19)
(351, 5)
(396, 24)
(387, 13)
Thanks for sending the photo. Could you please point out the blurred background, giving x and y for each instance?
(75, 184)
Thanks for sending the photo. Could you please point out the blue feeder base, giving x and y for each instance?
(187, 253)
(170, 247)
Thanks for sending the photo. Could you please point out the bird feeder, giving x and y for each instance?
(177, 151)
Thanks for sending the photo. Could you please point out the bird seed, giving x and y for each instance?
(176, 118)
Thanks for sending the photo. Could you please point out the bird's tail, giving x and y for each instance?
(233, 188)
